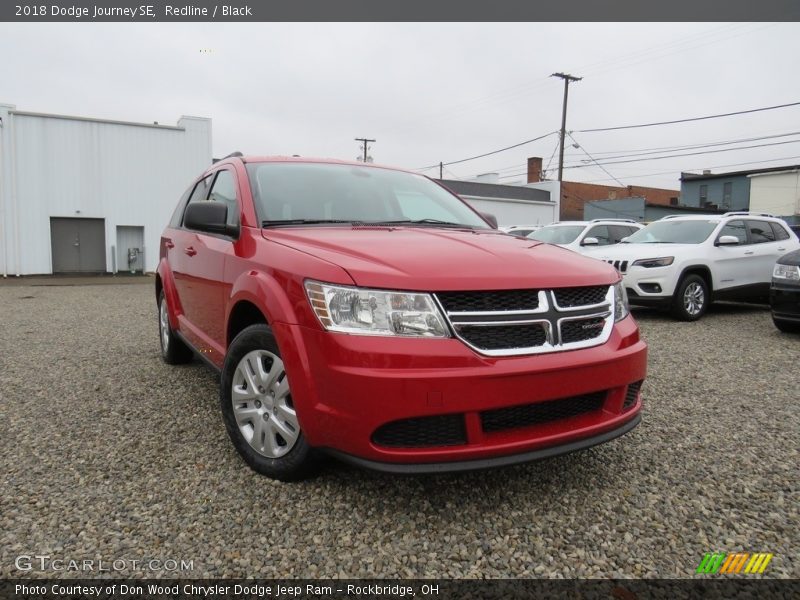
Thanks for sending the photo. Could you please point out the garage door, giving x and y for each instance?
(79, 245)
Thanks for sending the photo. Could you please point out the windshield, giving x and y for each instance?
(557, 234)
(296, 193)
(674, 232)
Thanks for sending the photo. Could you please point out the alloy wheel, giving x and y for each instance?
(262, 404)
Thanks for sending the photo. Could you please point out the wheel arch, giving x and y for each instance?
(256, 298)
(701, 270)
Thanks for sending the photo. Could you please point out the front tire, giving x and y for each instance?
(258, 410)
(691, 298)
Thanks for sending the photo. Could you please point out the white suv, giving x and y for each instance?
(685, 262)
(582, 235)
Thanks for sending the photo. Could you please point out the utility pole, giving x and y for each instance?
(364, 145)
(567, 78)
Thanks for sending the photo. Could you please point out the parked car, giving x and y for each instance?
(784, 296)
(582, 235)
(520, 230)
(685, 262)
(370, 313)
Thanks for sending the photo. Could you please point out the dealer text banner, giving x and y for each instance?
(408, 10)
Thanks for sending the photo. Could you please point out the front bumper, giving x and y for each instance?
(348, 387)
(784, 300)
(650, 286)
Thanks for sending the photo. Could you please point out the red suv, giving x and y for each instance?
(371, 314)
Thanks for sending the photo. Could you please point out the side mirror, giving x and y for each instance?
(489, 218)
(210, 217)
(727, 240)
(590, 241)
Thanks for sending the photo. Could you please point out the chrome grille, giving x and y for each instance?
(500, 300)
(516, 322)
(619, 265)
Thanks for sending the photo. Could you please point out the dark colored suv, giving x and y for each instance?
(370, 313)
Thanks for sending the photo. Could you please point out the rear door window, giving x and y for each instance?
(760, 232)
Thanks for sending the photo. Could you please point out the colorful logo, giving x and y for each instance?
(736, 562)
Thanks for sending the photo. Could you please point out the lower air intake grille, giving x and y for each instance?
(422, 432)
(631, 395)
(501, 337)
(541, 412)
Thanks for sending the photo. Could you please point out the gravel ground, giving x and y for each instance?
(107, 453)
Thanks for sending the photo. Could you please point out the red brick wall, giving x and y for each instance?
(574, 195)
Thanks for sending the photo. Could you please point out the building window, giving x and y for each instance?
(703, 195)
(727, 192)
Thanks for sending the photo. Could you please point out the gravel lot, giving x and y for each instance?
(107, 453)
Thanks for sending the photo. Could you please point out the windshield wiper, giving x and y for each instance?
(302, 222)
(435, 222)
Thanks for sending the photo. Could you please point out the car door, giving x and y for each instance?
(201, 260)
(766, 249)
(733, 265)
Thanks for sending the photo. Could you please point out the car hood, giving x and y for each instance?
(431, 259)
(793, 258)
(636, 251)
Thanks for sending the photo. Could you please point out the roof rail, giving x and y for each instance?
(613, 219)
(236, 154)
(747, 213)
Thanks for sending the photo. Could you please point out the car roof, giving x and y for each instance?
(249, 159)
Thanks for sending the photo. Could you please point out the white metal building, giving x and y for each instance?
(777, 192)
(91, 195)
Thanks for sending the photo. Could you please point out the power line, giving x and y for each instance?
(595, 162)
(648, 151)
(455, 162)
(632, 160)
(730, 114)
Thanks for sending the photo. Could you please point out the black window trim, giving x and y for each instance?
(213, 176)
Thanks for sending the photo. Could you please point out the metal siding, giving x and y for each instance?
(515, 212)
(125, 174)
(777, 194)
(740, 193)
(620, 208)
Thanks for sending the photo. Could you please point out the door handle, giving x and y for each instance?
(190, 251)
(748, 253)
(169, 244)
(781, 249)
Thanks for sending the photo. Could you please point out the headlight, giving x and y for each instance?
(621, 309)
(375, 312)
(649, 263)
(791, 272)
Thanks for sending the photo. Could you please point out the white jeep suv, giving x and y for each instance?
(685, 262)
(583, 235)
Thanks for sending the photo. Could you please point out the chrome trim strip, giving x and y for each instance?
(544, 306)
(551, 345)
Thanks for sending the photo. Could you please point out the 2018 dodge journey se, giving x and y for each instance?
(370, 313)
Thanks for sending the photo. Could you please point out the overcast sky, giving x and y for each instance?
(430, 92)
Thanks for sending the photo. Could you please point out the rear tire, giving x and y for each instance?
(173, 350)
(258, 410)
(691, 298)
(786, 326)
